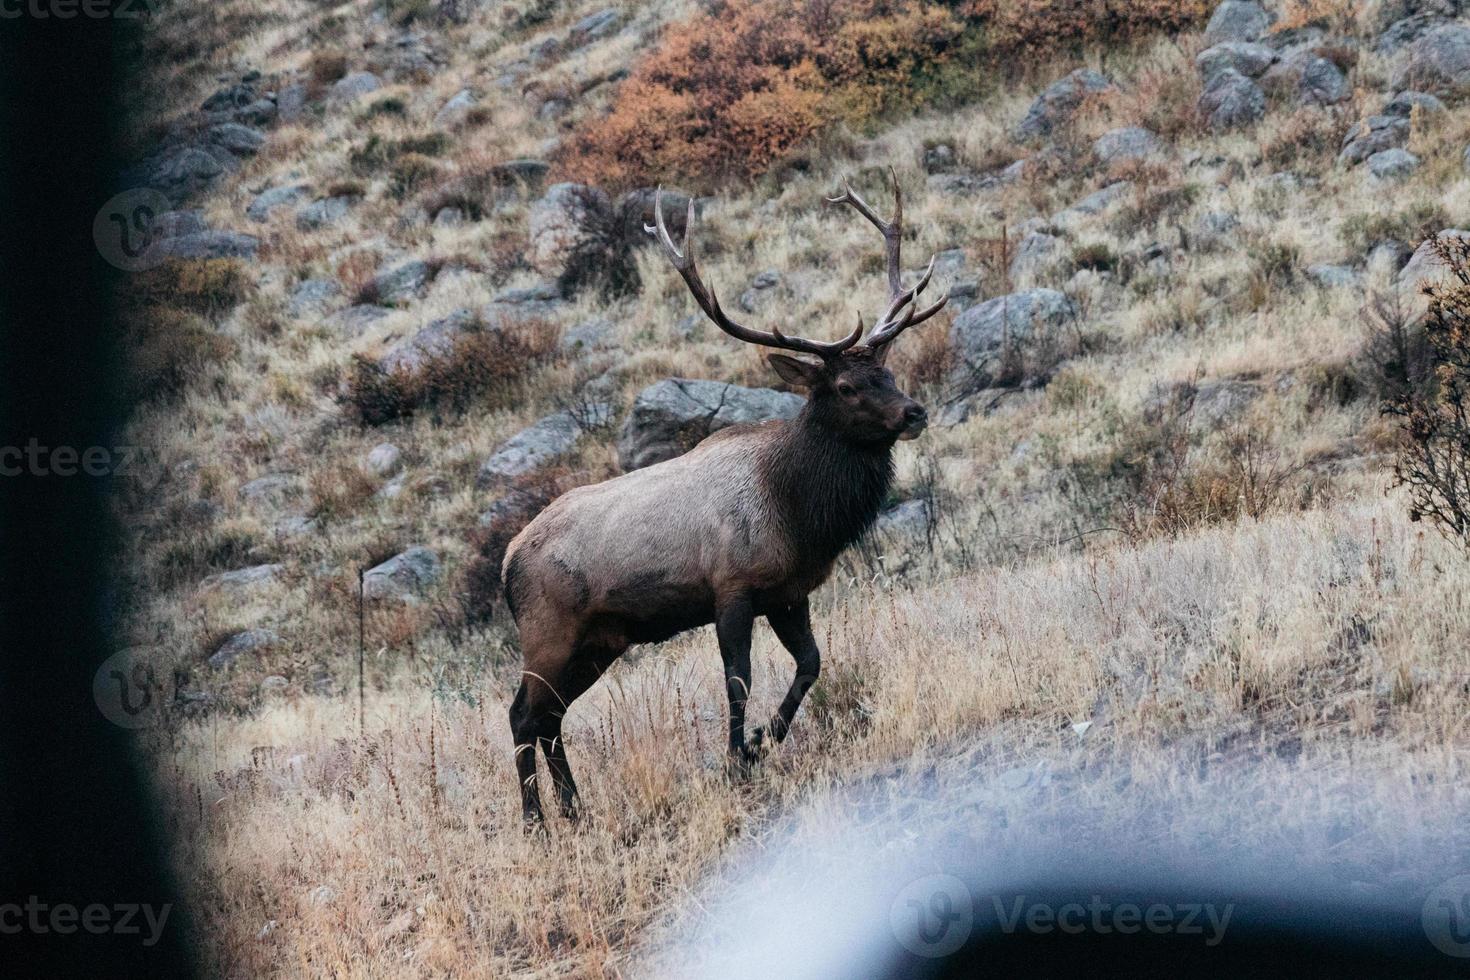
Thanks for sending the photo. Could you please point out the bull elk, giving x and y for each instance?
(745, 524)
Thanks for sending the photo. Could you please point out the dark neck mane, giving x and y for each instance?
(828, 489)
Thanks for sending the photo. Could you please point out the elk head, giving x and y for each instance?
(853, 394)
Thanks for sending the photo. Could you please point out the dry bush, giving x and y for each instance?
(484, 367)
(1395, 362)
(1361, 232)
(204, 286)
(736, 89)
(1434, 463)
(338, 491)
(1040, 28)
(169, 350)
(1309, 138)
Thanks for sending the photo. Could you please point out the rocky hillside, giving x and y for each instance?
(374, 331)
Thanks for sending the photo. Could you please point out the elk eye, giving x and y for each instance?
(844, 389)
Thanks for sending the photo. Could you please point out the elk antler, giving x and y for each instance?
(683, 262)
(901, 301)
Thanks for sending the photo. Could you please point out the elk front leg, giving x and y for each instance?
(733, 624)
(793, 627)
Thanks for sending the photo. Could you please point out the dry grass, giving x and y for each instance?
(1327, 621)
(399, 852)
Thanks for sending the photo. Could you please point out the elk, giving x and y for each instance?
(748, 523)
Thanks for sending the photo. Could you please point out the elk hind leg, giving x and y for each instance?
(793, 627)
(587, 664)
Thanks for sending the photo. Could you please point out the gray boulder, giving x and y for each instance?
(1218, 403)
(1332, 276)
(384, 459)
(236, 138)
(1237, 20)
(243, 643)
(354, 86)
(1405, 103)
(1425, 265)
(1323, 83)
(1127, 143)
(404, 577)
(1373, 135)
(210, 244)
(561, 222)
(1250, 59)
(531, 448)
(354, 320)
(1438, 61)
(986, 336)
(907, 520)
(242, 579)
(267, 201)
(1036, 251)
(456, 109)
(313, 297)
(402, 282)
(435, 339)
(671, 416)
(594, 26)
(1230, 100)
(593, 334)
(1059, 102)
(324, 213)
(1394, 164)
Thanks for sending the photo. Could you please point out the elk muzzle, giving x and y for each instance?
(914, 419)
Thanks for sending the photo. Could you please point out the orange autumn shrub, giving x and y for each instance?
(1039, 27)
(737, 88)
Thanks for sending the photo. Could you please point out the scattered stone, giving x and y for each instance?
(354, 86)
(1250, 60)
(1332, 276)
(671, 416)
(243, 643)
(403, 282)
(561, 223)
(1405, 103)
(1035, 251)
(313, 297)
(354, 320)
(905, 521)
(1394, 164)
(1127, 143)
(1438, 61)
(456, 109)
(1230, 100)
(324, 213)
(1060, 101)
(594, 26)
(985, 335)
(403, 577)
(593, 334)
(1386, 259)
(267, 201)
(939, 159)
(1373, 135)
(242, 579)
(384, 459)
(210, 244)
(1219, 402)
(1323, 83)
(1237, 20)
(531, 448)
(1425, 265)
(271, 490)
(274, 684)
(760, 291)
(237, 139)
(434, 340)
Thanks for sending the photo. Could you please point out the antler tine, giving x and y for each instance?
(683, 263)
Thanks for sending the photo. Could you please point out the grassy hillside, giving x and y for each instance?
(1167, 511)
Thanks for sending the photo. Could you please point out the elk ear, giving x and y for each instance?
(795, 372)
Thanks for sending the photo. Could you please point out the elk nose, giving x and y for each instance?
(915, 414)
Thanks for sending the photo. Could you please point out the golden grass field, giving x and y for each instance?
(1310, 635)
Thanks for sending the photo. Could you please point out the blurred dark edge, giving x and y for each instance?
(77, 817)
